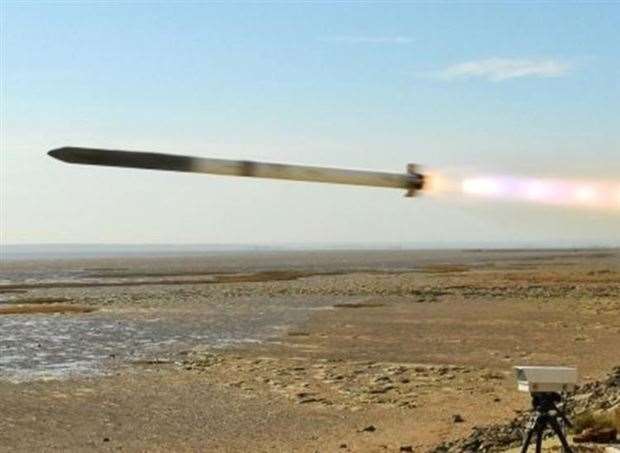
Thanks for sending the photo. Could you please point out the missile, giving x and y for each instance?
(411, 181)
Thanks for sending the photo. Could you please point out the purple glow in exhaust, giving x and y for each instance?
(547, 191)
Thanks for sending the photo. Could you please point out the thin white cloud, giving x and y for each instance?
(369, 39)
(498, 69)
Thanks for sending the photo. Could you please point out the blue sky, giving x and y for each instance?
(525, 88)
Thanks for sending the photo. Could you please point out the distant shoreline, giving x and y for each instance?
(19, 252)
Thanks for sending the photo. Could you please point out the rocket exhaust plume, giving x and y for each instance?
(578, 194)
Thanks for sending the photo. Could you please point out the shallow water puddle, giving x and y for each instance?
(44, 346)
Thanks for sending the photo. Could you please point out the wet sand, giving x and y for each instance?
(304, 351)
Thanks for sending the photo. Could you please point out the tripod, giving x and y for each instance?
(546, 414)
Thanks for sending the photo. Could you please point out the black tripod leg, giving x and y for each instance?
(539, 439)
(528, 439)
(558, 431)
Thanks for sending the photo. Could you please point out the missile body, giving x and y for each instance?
(411, 181)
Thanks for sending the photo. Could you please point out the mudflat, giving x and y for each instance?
(291, 351)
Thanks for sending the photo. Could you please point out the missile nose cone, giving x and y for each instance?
(54, 153)
(70, 154)
(58, 153)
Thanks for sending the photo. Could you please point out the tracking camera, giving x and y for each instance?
(544, 379)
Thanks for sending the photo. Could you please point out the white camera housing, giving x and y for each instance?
(539, 379)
